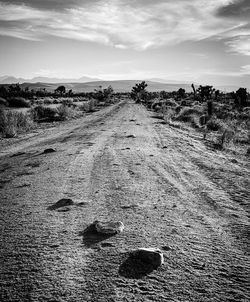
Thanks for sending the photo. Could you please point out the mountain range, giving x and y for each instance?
(11, 80)
(88, 84)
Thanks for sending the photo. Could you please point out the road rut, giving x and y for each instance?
(169, 189)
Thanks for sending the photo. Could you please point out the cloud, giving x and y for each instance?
(245, 70)
(136, 24)
(240, 44)
(238, 9)
(56, 5)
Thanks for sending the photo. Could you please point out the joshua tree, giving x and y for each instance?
(194, 90)
(241, 97)
(216, 94)
(103, 95)
(181, 93)
(139, 92)
(205, 92)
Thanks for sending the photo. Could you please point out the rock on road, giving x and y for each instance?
(170, 191)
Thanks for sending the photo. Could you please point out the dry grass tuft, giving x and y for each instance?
(11, 122)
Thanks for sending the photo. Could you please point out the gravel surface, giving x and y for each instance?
(170, 191)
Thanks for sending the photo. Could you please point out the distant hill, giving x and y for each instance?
(118, 86)
(12, 80)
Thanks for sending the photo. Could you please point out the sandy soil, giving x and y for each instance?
(169, 189)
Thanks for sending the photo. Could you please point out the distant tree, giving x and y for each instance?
(163, 94)
(3, 92)
(103, 95)
(216, 94)
(14, 89)
(60, 89)
(205, 92)
(241, 97)
(139, 92)
(181, 93)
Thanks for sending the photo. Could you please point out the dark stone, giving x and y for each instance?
(49, 150)
(64, 202)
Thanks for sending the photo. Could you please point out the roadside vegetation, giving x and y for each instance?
(223, 119)
(23, 109)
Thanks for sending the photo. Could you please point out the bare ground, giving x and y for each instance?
(169, 189)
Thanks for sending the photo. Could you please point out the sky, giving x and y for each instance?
(202, 41)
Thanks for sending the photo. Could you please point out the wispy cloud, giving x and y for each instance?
(125, 24)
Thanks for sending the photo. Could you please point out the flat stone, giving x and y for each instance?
(234, 161)
(131, 136)
(110, 227)
(151, 256)
(49, 150)
(64, 202)
(64, 209)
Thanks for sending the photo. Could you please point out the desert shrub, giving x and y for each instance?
(84, 107)
(187, 114)
(11, 122)
(181, 93)
(245, 114)
(214, 124)
(41, 113)
(203, 119)
(178, 109)
(18, 102)
(195, 121)
(183, 103)
(64, 112)
(225, 135)
(168, 114)
(3, 102)
(89, 106)
(171, 103)
(67, 102)
(47, 101)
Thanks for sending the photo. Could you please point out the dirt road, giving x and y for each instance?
(169, 189)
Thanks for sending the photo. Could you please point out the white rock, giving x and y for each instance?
(150, 255)
(110, 227)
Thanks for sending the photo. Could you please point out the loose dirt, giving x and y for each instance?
(170, 190)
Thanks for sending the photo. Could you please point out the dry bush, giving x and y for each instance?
(89, 106)
(46, 114)
(225, 136)
(48, 101)
(18, 102)
(214, 124)
(187, 113)
(64, 112)
(171, 103)
(11, 122)
(3, 102)
(67, 102)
